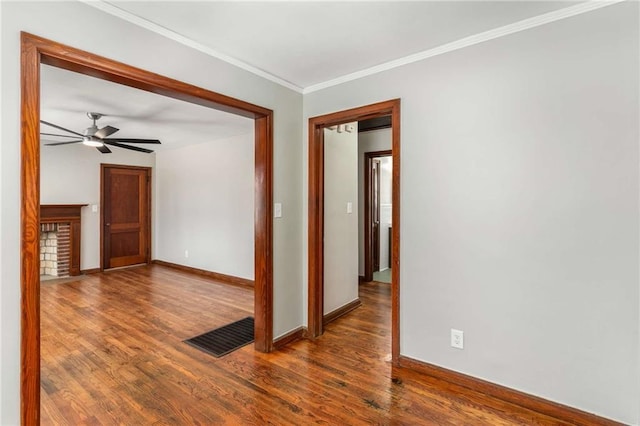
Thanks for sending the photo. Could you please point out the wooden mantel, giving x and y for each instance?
(66, 213)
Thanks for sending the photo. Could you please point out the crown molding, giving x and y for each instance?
(525, 24)
(505, 30)
(172, 35)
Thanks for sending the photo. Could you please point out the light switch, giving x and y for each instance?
(94, 208)
(277, 210)
(349, 207)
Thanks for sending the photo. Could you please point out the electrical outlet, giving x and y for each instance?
(457, 338)
(186, 253)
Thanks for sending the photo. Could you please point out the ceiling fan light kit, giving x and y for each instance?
(95, 137)
(88, 141)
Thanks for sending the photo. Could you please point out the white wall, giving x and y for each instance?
(70, 174)
(371, 141)
(519, 215)
(205, 204)
(2, 326)
(340, 227)
(136, 46)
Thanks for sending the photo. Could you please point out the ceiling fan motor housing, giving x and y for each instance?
(90, 131)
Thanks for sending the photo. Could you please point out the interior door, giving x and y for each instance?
(125, 215)
(375, 213)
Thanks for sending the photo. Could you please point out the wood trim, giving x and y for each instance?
(148, 171)
(223, 278)
(368, 250)
(36, 50)
(66, 57)
(55, 212)
(316, 230)
(30, 235)
(263, 224)
(290, 337)
(512, 396)
(341, 311)
(394, 262)
(90, 271)
(316, 213)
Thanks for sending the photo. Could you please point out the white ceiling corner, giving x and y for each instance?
(310, 45)
(175, 36)
(305, 46)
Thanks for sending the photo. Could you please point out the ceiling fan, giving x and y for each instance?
(98, 138)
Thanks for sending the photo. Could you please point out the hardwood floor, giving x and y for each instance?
(112, 353)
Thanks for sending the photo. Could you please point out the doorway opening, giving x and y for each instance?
(377, 226)
(317, 126)
(36, 51)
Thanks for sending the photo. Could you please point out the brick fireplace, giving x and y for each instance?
(60, 239)
(55, 249)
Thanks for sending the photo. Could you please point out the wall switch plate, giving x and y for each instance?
(94, 208)
(457, 338)
(277, 210)
(349, 207)
(186, 253)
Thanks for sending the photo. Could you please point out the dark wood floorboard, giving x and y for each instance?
(112, 353)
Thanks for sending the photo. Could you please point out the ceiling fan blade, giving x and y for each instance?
(103, 149)
(61, 128)
(63, 143)
(121, 140)
(54, 134)
(133, 148)
(105, 131)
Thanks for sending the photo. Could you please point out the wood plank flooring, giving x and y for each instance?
(112, 353)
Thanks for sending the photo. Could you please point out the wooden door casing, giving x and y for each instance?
(316, 213)
(125, 215)
(35, 51)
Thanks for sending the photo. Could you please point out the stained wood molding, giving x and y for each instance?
(90, 271)
(292, 336)
(316, 213)
(531, 402)
(37, 50)
(223, 278)
(343, 310)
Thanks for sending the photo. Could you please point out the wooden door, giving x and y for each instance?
(125, 215)
(375, 213)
